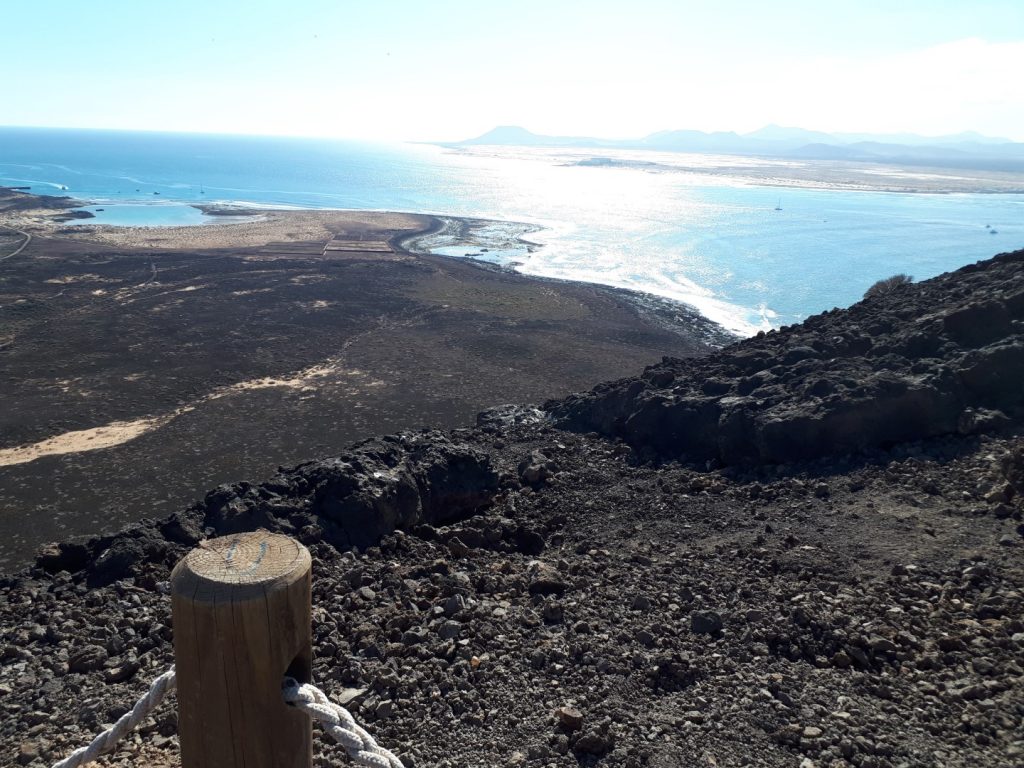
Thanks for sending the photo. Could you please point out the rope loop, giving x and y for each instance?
(340, 724)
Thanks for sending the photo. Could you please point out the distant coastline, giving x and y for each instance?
(967, 151)
(847, 176)
(753, 242)
(821, 174)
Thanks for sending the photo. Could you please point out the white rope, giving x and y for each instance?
(109, 738)
(337, 721)
(334, 718)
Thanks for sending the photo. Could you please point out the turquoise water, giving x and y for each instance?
(148, 215)
(713, 243)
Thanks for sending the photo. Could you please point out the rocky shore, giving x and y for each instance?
(802, 550)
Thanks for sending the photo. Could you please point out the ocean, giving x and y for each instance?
(748, 256)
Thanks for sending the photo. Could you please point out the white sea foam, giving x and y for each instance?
(9, 181)
(730, 316)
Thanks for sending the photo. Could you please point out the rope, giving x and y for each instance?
(337, 721)
(334, 718)
(109, 738)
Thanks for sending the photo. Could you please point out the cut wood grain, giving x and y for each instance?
(242, 621)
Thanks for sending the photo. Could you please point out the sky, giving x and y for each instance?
(451, 70)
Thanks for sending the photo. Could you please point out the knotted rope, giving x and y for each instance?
(109, 738)
(337, 721)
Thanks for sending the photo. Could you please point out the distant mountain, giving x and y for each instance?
(698, 141)
(913, 139)
(822, 151)
(962, 150)
(796, 136)
(516, 136)
(506, 134)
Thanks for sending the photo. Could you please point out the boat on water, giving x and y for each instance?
(779, 206)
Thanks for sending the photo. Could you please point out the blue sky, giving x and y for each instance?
(446, 70)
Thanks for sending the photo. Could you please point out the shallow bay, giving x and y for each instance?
(747, 253)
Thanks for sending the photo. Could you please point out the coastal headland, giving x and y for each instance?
(142, 366)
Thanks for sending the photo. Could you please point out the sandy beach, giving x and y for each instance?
(248, 228)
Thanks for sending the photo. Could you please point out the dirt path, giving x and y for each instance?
(20, 248)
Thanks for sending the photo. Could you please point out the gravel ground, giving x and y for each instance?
(560, 598)
(616, 615)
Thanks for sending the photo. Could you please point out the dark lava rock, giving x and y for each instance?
(536, 469)
(938, 357)
(706, 623)
(591, 743)
(122, 672)
(978, 421)
(877, 615)
(66, 556)
(506, 416)
(124, 554)
(527, 541)
(1012, 468)
(182, 529)
(399, 481)
(545, 580)
(393, 482)
(87, 659)
(569, 718)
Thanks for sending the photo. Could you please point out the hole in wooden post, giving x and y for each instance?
(301, 669)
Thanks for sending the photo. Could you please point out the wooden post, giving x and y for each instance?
(242, 621)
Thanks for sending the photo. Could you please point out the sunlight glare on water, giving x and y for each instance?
(716, 242)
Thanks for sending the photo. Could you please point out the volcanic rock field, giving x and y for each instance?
(804, 549)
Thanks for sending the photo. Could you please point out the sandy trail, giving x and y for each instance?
(94, 439)
(20, 248)
(120, 432)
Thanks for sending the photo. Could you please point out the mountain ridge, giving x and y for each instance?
(961, 149)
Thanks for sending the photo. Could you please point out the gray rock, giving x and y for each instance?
(591, 743)
(569, 718)
(706, 623)
(640, 603)
(122, 672)
(89, 658)
(449, 630)
(454, 605)
(545, 580)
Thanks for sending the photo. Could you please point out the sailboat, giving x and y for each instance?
(779, 206)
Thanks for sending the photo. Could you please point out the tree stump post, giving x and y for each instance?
(242, 621)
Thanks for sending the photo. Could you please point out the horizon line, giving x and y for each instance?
(326, 137)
